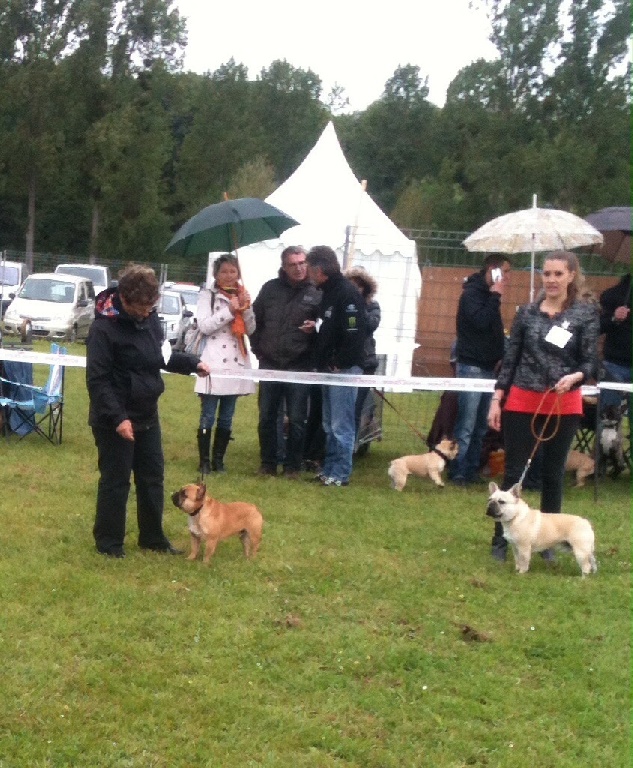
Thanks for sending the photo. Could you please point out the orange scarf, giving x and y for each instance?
(238, 327)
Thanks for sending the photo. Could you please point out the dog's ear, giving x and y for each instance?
(516, 491)
(202, 492)
(492, 488)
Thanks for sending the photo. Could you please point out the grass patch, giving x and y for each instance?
(373, 629)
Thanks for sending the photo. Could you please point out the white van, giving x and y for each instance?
(54, 306)
(100, 276)
(12, 274)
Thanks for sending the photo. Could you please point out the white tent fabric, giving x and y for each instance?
(334, 209)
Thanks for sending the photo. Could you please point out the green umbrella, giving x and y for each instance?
(229, 225)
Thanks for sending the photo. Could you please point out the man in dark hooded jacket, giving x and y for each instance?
(480, 346)
(340, 349)
(615, 323)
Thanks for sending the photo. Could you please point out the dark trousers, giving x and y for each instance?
(519, 443)
(118, 458)
(272, 396)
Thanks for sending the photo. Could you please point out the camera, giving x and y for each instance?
(497, 275)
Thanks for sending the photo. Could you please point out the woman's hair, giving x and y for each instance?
(575, 288)
(138, 284)
(226, 258)
(365, 282)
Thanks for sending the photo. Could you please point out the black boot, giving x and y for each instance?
(204, 443)
(220, 442)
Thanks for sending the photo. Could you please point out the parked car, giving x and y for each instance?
(174, 315)
(56, 306)
(190, 293)
(100, 276)
(12, 274)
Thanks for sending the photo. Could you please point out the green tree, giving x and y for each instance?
(287, 107)
(223, 135)
(391, 143)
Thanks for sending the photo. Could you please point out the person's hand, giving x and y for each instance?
(565, 383)
(494, 416)
(621, 313)
(125, 430)
(245, 299)
(309, 326)
(498, 287)
(234, 304)
(203, 369)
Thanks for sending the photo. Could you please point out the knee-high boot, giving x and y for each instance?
(220, 442)
(204, 444)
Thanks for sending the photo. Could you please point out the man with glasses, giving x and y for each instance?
(285, 309)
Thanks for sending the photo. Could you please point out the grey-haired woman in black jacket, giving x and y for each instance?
(125, 355)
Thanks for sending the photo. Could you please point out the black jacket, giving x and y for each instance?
(280, 308)
(341, 338)
(480, 338)
(531, 362)
(123, 365)
(617, 340)
(372, 317)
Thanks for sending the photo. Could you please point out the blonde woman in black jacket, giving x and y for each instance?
(552, 351)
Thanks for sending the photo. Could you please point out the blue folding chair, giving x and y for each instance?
(30, 408)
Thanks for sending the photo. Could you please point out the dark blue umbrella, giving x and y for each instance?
(616, 225)
(228, 226)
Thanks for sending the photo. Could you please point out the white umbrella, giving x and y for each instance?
(531, 230)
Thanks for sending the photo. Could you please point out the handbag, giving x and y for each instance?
(195, 340)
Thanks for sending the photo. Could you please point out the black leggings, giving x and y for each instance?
(519, 443)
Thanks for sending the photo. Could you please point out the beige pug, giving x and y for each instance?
(529, 530)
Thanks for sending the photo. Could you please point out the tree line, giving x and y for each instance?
(107, 145)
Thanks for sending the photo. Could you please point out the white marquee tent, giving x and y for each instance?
(334, 209)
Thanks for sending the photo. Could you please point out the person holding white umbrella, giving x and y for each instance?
(552, 350)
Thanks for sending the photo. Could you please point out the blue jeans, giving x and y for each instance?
(471, 425)
(272, 396)
(208, 406)
(339, 425)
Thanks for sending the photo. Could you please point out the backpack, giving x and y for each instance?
(195, 340)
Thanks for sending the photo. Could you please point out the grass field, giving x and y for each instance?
(373, 630)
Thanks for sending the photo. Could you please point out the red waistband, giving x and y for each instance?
(528, 401)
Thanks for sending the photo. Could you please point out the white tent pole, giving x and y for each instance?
(352, 247)
(534, 205)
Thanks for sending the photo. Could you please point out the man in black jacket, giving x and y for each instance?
(480, 346)
(285, 310)
(125, 355)
(340, 348)
(615, 323)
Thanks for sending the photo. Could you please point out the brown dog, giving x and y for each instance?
(211, 520)
(580, 463)
(431, 464)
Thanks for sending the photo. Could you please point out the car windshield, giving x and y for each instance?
(48, 290)
(190, 297)
(96, 275)
(9, 275)
(169, 305)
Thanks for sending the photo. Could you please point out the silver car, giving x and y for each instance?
(174, 315)
(52, 306)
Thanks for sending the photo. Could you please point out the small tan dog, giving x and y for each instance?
(582, 464)
(528, 530)
(431, 464)
(211, 520)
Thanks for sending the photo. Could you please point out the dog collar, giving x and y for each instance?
(439, 453)
(195, 511)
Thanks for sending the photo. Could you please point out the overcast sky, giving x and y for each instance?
(346, 42)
